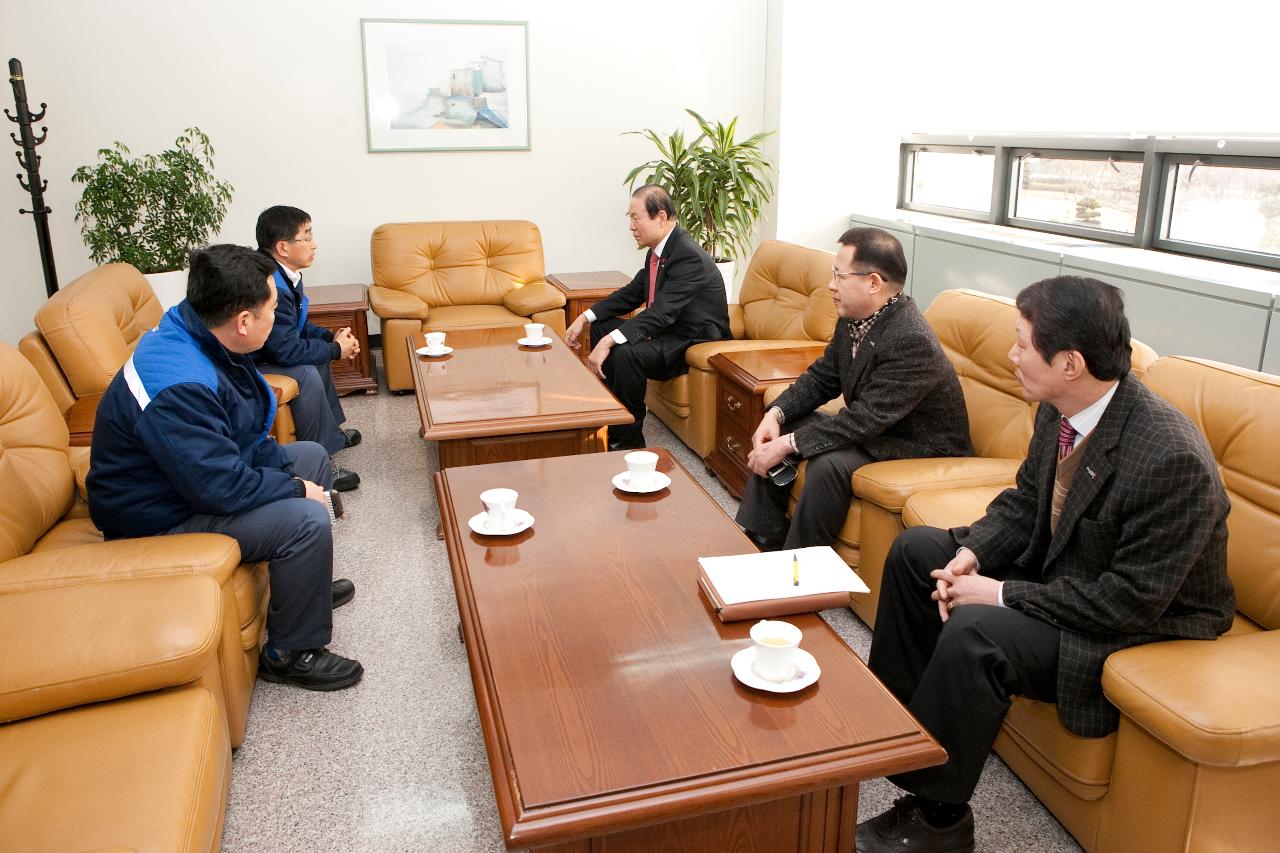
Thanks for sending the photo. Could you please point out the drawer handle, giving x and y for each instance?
(731, 444)
(732, 402)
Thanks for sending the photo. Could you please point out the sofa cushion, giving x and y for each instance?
(457, 263)
(146, 773)
(784, 293)
(1082, 765)
(93, 324)
(471, 317)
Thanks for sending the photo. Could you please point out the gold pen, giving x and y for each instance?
(795, 571)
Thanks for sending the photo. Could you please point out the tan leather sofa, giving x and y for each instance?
(442, 276)
(47, 539)
(1195, 764)
(113, 732)
(88, 329)
(784, 303)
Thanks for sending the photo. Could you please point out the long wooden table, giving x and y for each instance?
(491, 400)
(610, 714)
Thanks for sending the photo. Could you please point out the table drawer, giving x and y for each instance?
(733, 441)
(733, 404)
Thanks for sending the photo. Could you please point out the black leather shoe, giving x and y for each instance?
(353, 437)
(903, 829)
(313, 669)
(762, 543)
(343, 591)
(627, 444)
(344, 480)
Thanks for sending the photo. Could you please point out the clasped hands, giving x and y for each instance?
(958, 582)
(767, 447)
(346, 340)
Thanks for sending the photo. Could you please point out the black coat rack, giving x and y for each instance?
(31, 162)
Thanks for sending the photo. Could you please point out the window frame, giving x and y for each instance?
(907, 168)
(1049, 226)
(1165, 198)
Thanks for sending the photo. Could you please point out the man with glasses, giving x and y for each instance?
(902, 401)
(299, 348)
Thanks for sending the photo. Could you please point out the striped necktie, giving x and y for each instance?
(1066, 439)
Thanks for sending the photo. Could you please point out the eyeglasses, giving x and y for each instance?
(840, 276)
(307, 239)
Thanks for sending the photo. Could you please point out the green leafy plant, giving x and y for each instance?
(719, 185)
(151, 211)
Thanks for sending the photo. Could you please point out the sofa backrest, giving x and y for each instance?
(1238, 410)
(93, 324)
(457, 263)
(976, 331)
(784, 293)
(38, 484)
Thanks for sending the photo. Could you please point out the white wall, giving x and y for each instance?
(856, 77)
(278, 88)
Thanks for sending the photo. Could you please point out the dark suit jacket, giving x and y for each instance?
(689, 305)
(902, 398)
(1140, 549)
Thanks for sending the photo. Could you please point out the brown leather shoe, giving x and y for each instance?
(903, 829)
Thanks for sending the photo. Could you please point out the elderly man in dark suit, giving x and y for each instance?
(684, 299)
(1114, 535)
(902, 400)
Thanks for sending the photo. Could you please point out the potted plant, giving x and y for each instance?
(719, 186)
(151, 211)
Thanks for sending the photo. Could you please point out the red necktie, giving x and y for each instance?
(653, 276)
(1066, 439)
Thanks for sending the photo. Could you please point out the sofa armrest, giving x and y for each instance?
(1216, 702)
(737, 321)
(890, 483)
(209, 554)
(391, 304)
(79, 459)
(533, 297)
(74, 645)
(285, 387)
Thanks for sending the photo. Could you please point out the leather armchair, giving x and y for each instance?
(47, 539)
(112, 722)
(784, 303)
(1199, 736)
(442, 276)
(87, 331)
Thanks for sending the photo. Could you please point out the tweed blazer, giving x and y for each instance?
(1139, 553)
(902, 397)
(689, 301)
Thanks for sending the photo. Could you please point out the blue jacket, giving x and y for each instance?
(293, 340)
(183, 429)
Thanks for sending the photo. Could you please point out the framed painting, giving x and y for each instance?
(446, 85)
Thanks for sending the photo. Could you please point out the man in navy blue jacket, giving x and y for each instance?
(299, 348)
(181, 444)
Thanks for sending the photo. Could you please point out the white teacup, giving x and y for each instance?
(499, 507)
(435, 342)
(641, 465)
(533, 332)
(776, 644)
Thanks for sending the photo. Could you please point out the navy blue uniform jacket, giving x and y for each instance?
(293, 339)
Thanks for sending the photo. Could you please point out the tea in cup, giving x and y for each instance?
(435, 343)
(641, 465)
(499, 507)
(775, 643)
(533, 332)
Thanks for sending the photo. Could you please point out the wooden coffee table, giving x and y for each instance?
(608, 708)
(491, 400)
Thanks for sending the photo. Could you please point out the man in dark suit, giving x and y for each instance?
(300, 348)
(684, 299)
(1114, 535)
(902, 400)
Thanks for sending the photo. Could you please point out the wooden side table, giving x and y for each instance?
(335, 306)
(581, 291)
(741, 379)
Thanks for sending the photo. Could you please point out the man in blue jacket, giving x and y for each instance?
(299, 348)
(181, 444)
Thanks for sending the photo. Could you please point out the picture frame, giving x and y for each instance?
(436, 85)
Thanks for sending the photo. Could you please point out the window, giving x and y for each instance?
(1236, 207)
(954, 178)
(1093, 193)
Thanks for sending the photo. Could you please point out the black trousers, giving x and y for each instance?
(957, 678)
(821, 510)
(630, 366)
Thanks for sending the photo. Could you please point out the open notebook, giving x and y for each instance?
(759, 586)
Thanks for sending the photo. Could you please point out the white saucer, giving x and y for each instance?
(807, 672)
(480, 524)
(428, 354)
(622, 483)
(541, 342)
